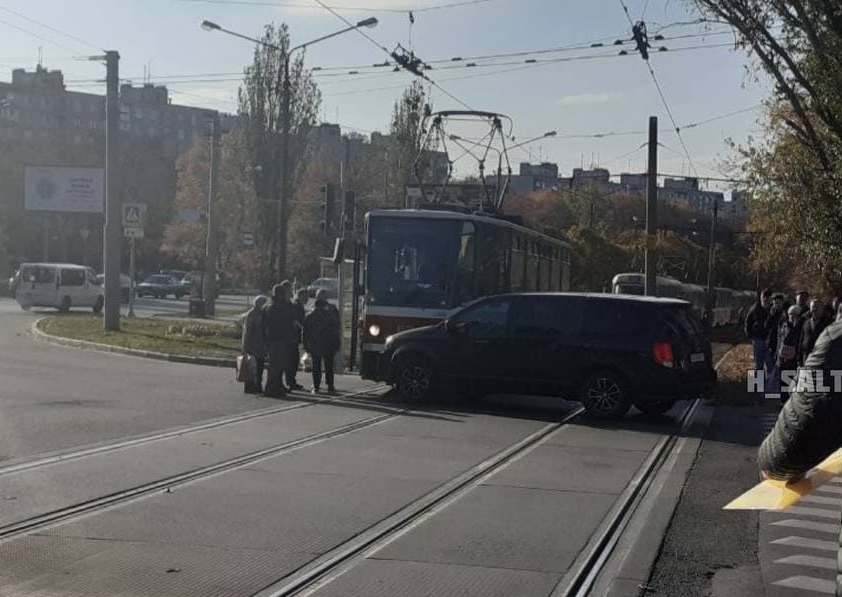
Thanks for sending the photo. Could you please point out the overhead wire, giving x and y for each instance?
(343, 8)
(36, 35)
(659, 89)
(51, 28)
(383, 48)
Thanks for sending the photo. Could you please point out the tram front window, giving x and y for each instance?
(420, 262)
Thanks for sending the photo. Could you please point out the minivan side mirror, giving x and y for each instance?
(455, 327)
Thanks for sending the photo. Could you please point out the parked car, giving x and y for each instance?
(159, 286)
(59, 285)
(125, 285)
(605, 351)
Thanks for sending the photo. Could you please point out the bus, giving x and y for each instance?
(424, 264)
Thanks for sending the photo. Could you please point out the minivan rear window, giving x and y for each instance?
(686, 321)
(614, 317)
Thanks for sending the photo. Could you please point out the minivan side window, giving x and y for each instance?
(537, 316)
(614, 318)
(72, 277)
(489, 319)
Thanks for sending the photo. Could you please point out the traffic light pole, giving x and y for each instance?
(113, 211)
(650, 259)
(211, 248)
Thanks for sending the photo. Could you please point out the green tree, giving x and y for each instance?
(261, 106)
(794, 171)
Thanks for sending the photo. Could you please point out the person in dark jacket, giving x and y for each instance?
(813, 326)
(281, 334)
(789, 341)
(254, 344)
(295, 355)
(755, 329)
(802, 300)
(776, 315)
(321, 340)
(807, 429)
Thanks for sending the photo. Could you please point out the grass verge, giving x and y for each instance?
(732, 387)
(187, 339)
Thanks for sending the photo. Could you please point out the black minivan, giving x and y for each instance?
(606, 351)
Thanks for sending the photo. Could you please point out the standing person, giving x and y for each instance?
(776, 315)
(321, 340)
(755, 328)
(295, 355)
(812, 327)
(807, 429)
(280, 334)
(802, 300)
(789, 338)
(253, 342)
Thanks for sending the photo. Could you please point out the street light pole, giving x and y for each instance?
(286, 117)
(211, 247)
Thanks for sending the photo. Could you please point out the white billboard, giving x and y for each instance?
(58, 188)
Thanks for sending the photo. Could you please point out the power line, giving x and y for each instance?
(51, 28)
(377, 44)
(36, 35)
(343, 8)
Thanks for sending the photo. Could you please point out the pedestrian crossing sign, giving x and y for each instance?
(133, 215)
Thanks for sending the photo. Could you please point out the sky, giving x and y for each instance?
(596, 92)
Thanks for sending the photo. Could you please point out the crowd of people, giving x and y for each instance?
(273, 331)
(783, 334)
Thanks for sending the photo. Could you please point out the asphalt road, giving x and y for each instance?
(363, 496)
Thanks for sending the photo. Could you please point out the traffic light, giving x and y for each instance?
(349, 211)
(328, 199)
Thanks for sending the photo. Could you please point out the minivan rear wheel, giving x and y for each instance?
(414, 378)
(604, 395)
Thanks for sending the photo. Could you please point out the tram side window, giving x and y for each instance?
(466, 265)
(518, 264)
(492, 261)
(531, 268)
(546, 282)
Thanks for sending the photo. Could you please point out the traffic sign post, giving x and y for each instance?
(134, 216)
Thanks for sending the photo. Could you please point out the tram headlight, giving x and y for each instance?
(374, 331)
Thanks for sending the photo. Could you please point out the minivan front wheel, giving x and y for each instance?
(604, 395)
(414, 378)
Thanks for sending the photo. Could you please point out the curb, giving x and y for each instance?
(147, 354)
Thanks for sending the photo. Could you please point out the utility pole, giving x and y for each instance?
(211, 246)
(651, 283)
(113, 209)
(711, 302)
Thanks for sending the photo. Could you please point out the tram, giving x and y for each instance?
(424, 264)
(730, 306)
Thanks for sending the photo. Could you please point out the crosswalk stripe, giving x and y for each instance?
(817, 512)
(830, 489)
(812, 561)
(808, 583)
(832, 546)
(821, 499)
(808, 525)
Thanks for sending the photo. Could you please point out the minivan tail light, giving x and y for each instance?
(662, 351)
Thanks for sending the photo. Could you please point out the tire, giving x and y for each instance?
(26, 307)
(604, 395)
(178, 296)
(100, 302)
(414, 378)
(655, 407)
(65, 304)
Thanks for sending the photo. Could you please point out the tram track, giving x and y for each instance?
(98, 504)
(105, 447)
(577, 582)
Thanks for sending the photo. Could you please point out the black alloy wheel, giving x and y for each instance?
(415, 378)
(604, 395)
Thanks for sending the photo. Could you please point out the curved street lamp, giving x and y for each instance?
(285, 118)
